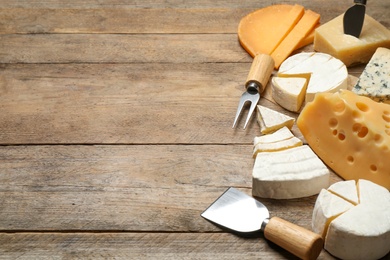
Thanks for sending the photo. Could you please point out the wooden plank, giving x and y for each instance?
(139, 246)
(127, 188)
(120, 20)
(122, 103)
(121, 48)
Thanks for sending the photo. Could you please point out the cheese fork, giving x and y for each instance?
(259, 74)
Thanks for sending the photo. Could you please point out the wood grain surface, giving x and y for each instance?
(115, 128)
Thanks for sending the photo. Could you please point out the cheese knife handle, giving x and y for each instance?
(260, 71)
(297, 240)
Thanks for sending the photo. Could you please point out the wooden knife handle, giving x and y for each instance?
(260, 71)
(297, 240)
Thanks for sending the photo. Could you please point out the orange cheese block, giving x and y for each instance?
(260, 32)
(304, 27)
(350, 133)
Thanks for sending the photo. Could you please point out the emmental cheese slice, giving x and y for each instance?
(289, 92)
(287, 174)
(375, 79)
(271, 120)
(330, 38)
(350, 231)
(324, 72)
(350, 133)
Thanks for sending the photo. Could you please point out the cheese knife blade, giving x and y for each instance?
(354, 18)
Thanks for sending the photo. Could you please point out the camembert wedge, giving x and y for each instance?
(271, 120)
(289, 92)
(287, 174)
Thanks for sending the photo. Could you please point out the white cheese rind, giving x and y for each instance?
(328, 74)
(271, 120)
(289, 92)
(277, 146)
(287, 174)
(361, 231)
(375, 79)
(327, 207)
(279, 135)
(347, 190)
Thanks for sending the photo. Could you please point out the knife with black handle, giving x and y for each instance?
(354, 18)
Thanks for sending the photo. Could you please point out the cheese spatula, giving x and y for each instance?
(354, 18)
(243, 214)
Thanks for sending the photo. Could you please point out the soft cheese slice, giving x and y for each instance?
(271, 120)
(290, 173)
(362, 232)
(288, 92)
(303, 28)
(328, 206)
(370, 192)
(261, 31)
(375, 79)
(350, 133)
(277, 146)
(330, 38)
(347, 190)
(279, 135)
(327, 74)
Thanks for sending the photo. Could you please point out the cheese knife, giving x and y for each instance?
(354, 18)
(243, 214)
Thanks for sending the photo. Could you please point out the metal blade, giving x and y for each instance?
(237, 211)
(353, 20)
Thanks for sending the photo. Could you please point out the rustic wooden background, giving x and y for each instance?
(115, 128)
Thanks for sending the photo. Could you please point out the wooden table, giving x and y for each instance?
(115, 128)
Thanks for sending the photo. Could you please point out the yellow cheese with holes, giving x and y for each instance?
(260, 32)
(350, 133)
(330, 38)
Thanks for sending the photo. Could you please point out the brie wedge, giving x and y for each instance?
(271, 120)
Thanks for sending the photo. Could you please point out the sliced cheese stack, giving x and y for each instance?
(375, 79)
(280, 140)
(277, 30)
(291, 173)
(288, 92)
(354, 219)
(323, 72)
(350, 133)
(330, 38)
(271, 120)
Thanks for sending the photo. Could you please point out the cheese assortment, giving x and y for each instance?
(330, 38)
(271, 120)
(323, 72)
(357, 228)
(375, 79)
(350, 133)
(290, 173)
(289, 92)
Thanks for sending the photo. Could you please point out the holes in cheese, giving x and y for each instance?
(353, 219)
(323, 72)
(330, 38)
(350, 133)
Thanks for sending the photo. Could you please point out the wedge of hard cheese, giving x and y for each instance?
(375, 79)
(354, 231)
(330, 38)
(290, 173)
(323, 72)
(271, 120)
(350, 133)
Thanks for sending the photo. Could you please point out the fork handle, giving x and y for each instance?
(260, 72)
